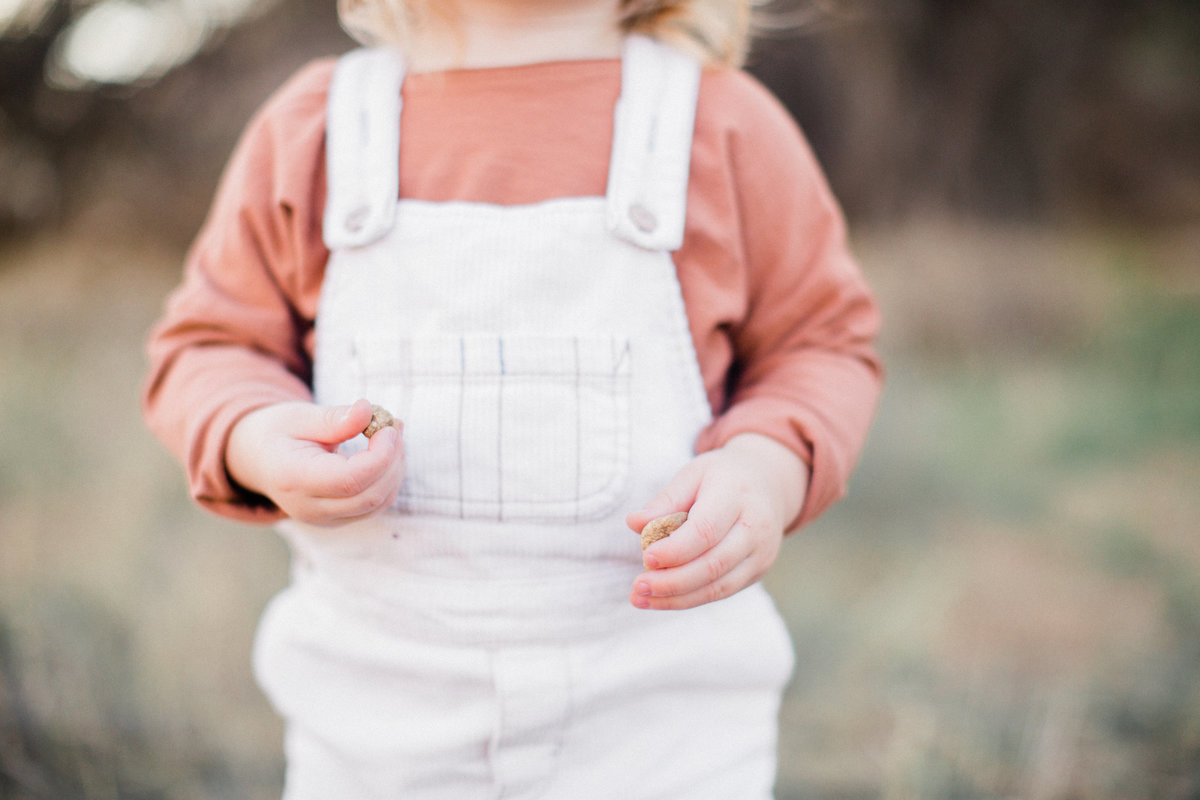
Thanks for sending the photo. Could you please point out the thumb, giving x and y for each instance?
(334, 424)
(678, 495)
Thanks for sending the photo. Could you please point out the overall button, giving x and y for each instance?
(642, 218)
(356, 219)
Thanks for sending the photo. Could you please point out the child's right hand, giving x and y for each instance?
(288, 453)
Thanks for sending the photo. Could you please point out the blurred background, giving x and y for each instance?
(1006, 605)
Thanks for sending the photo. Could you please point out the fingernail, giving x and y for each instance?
(641, 602)
(650, 561)
(642, 588)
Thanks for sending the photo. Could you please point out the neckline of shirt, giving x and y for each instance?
(550, 72)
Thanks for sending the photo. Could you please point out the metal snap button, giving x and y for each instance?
(642, 218)
(356, 219)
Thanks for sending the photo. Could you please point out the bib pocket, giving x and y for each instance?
(514, 427)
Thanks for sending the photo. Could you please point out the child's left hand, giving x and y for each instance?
(739, 498)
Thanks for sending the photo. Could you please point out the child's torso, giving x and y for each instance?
(538, 354)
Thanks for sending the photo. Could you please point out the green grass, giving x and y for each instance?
(1143, 381)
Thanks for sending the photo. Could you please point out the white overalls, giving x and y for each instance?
(476, 640)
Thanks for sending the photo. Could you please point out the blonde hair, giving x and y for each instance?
(716, 31)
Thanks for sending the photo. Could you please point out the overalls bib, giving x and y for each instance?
(476, 639)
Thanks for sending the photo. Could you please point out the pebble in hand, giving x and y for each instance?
(662, 527)
(380, 419)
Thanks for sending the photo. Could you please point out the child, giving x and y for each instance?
(570, 246)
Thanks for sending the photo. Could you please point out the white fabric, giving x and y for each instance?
(675, 705)
(361, 201)
(477, 640)
(652, 148)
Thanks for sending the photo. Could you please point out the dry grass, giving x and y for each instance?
(1007, 605)
(125, 615)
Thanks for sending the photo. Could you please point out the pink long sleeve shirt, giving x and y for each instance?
(782, 321)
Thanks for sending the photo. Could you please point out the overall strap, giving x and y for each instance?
(362, 147)
(652, 144)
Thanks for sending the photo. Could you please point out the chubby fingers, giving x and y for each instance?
(718, 572)
(700, 562)
(723, 571)
(386, 447)
(332, 475)
(341, 489)
(728, 543)
(712, 514)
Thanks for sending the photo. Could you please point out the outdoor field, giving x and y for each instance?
(1006, 605)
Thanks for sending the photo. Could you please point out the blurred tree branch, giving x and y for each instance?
(997, 108)
(1009, 108)
(33, 140)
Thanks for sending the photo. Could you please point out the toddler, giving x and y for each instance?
(595, 272)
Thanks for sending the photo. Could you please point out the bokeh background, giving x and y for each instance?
(1006, 605)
